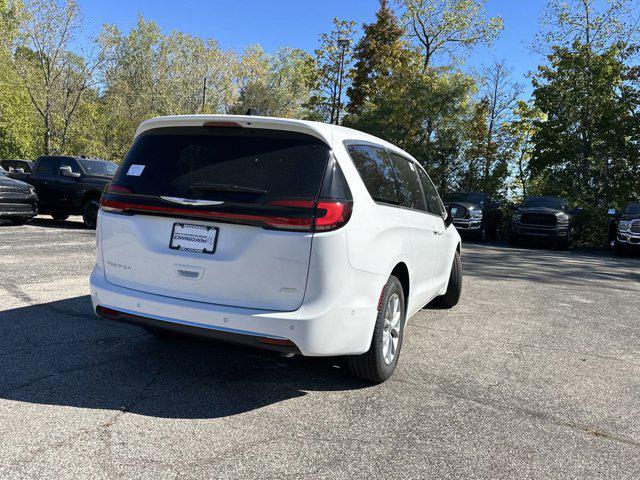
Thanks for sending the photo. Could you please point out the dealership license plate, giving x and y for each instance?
(194, 238)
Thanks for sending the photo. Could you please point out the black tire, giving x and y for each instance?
(372, 365)
(90, 213)
(59, 217)
(454, 289)
(618, 250)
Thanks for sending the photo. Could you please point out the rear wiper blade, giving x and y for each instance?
(222, 187)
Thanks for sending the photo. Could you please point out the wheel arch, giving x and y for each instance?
(401, 272)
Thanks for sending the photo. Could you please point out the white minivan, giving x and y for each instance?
(290, 235)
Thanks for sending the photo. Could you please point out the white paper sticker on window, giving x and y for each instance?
(135, 170)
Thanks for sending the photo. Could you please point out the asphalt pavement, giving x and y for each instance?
(536, 374)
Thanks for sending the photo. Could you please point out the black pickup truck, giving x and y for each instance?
(474, 214)
(549, 220)
(624, 229)
(71, 186)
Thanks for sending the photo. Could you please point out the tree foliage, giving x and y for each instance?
(378, 55)
(447, 27)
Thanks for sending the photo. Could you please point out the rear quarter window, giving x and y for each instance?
(377, 172)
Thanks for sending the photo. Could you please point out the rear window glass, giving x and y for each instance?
(376, 171)
(245, 165)
(409, 185)
(100, 168)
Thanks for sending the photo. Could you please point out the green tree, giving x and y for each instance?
(331, 61)
(378, 55)
(151, 74)
(55, 78)
(18, 124)
(426, 114)
(519, 131)
(447, 27)
(587, 148)
(278, 85)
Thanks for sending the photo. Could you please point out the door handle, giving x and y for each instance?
(438, 232)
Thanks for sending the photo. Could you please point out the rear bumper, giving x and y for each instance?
(329, 326)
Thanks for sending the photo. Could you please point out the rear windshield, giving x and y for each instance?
(100, 168)
(232, 164)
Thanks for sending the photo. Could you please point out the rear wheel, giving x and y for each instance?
(59, 217)
(90, 213)
(454, 288)
(379, 363)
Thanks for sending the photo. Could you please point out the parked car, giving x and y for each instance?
(291, 235)
(624, 232)
(549, 220)
(18, 169)
(18, 200)
(71, 186)
(474, 214)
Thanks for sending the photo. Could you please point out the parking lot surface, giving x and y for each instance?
(536, 374)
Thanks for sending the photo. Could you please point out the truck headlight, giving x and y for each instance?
(475, 214)
(563, 219)
(624, 225)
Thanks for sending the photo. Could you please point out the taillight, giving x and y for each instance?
(113, 188)
(298, 215)
(332, 214)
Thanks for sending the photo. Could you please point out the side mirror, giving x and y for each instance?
(612, 212)
(67, 172)
(448, 218)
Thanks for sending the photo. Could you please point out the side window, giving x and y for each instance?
(47, 166)
(69, 162)
(376, 171)
(409, 184)
(434, 204)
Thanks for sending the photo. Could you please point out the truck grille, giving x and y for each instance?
(24, 190)
(15, 208)
(635, 226)
(547, 219)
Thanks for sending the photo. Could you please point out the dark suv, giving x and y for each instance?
(71, 186)
(547, 219)
(624, 232)
(474, 214)
(18, 200)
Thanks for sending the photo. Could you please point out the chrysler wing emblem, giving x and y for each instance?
(192, 202)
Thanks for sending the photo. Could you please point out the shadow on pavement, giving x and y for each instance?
(59, 353)
(51, 223)
(579, 267)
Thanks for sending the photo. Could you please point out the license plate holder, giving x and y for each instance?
(188, 237)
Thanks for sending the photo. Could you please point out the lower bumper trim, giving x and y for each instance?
(281, 345)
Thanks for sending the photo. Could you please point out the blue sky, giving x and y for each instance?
(276, 23)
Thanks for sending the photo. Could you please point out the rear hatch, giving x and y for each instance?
(218, 214)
